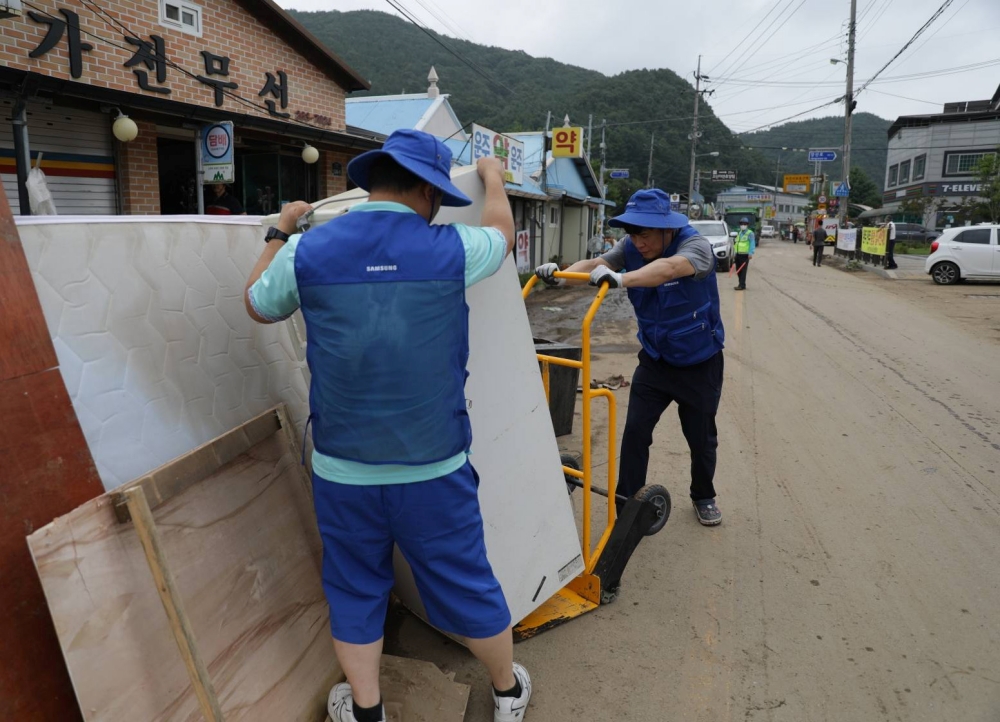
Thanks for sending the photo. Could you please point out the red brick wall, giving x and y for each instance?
(227, 30)
(140, 180)
(329, 184)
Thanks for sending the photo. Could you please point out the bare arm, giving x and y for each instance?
(660, 271)
(496, 210)
(286, 223)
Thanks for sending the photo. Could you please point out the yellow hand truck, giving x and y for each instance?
(629, 518)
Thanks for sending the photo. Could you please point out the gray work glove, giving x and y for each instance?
(547, 272)
(603, 274)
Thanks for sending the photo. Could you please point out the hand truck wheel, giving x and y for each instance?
(659, 498)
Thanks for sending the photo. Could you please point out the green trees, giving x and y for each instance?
(396, 56)
(863, 191)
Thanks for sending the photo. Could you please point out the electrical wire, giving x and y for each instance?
(752, 31)
(754, 48)
(397, 5)
(903, 97)
(937, 13)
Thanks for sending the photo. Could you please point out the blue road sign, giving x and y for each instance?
(617, 173)
(822, 156)
(842, 190)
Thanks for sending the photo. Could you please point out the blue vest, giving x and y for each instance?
(383, 296)
(679, 321)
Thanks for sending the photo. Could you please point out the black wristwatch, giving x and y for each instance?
(275, 234)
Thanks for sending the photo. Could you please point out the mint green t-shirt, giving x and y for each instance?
(275, 297)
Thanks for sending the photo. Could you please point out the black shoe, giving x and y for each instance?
(740, 288)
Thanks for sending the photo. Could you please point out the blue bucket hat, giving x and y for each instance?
(420, 153)
(649, 208)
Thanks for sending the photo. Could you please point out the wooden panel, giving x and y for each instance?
(25, 346)
(246, 557)
(46, 471)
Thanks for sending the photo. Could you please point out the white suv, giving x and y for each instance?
(965, 252)
(717, 233)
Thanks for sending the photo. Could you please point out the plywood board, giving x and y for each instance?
(531, 536)
(153, 340)
(244, 551)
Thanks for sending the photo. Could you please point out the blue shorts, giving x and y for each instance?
(438, 528)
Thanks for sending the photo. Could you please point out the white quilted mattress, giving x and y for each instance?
(147, 318)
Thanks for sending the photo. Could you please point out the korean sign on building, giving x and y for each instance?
(797, 183)
(567, 143)
(145, 56)
(489, 144)
(727, 176)
(217, 153)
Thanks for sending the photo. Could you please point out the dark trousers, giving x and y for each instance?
(743, 264)
(697, 390)
(890, 247)
(818, 253)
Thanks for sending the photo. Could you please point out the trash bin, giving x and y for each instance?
(563, 382)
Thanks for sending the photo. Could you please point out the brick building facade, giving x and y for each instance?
(69, 67)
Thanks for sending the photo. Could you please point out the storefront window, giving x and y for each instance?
(272, 179)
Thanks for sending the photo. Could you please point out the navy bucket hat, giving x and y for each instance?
(649, 208)
(420, 153)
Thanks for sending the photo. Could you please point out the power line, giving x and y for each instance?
(397, 5)
(903, 97)
(754, 47)
(791, 117)
(752, 31)
(935, 16)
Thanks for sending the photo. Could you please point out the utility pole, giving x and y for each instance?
(849, 109)
(694, 133)
(649, 173)
(604, 154)
(545, 203)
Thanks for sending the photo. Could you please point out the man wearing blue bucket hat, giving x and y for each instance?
(382, 292)
(669, 273)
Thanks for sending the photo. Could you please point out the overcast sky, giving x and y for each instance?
(792, 44)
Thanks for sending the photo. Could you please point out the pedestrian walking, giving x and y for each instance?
(818, 243)
(795, 234)
(890, 245)
(382, 292)
(669, 273)
(746, 245)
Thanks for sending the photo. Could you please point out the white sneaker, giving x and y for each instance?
(340, 704)
(511, 709)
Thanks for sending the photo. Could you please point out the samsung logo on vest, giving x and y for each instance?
(380, 269)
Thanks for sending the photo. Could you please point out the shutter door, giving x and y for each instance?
(77, 157)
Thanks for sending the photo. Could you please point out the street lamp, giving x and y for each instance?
(834, 61)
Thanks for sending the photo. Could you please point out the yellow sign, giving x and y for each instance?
(567, 143)
(798, 183)
(873, 241)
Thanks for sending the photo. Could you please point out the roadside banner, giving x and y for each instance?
(873, 241)
(830, 225)
(521, 246)
(847, 239)
(797, 183)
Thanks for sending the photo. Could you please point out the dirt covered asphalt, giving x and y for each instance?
(856, 575)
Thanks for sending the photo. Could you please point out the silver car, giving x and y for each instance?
(717, 233)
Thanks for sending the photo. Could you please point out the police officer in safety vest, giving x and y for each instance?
(668, 271)
(745, 246)
(382, 292)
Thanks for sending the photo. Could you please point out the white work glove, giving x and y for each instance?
(547, 272)
(602, 273)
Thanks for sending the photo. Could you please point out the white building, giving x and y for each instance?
(935, 156)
